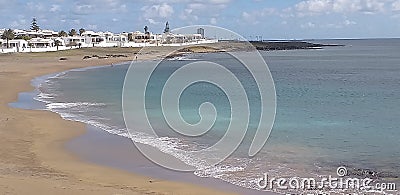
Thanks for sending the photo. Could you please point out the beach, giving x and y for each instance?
(33, 159)
(328, 105)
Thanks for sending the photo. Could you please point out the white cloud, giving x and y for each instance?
(213, 21)
(157, 11)
(85, 7)
(308, 25)
(35, 6)
(349, 22)
(396, 5)
(196, 6)
(219, 1)
(55, 8)
(92, 27)
(207, 8)
(345, 23)
(20, 23)
(191, 1)
(156, 14)
(151, 21)
(313, 7)
(372, 6)
(254, 17)
(189, 16)
(337, 25)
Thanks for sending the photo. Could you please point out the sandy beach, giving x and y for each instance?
(33, 159)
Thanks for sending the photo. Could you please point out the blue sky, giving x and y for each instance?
(272, 19)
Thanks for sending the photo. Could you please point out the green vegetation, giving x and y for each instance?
(81, 31)
(34, 25)
(72, 32)
(8, 35)
(62, 34)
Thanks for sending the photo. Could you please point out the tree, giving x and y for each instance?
(24, 37)
(57, 43)
(34, 25)
(72, 32)
(81, 31)
(166, 30)
(62, 34)
(8, 35)
(146, 32)
(130, 37)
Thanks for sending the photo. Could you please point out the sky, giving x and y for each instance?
(271, 19)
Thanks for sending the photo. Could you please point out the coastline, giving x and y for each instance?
(32, 150)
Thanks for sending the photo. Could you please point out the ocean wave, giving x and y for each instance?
(182, 58)
(79, 105)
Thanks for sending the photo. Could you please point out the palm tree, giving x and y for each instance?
(57, 43)
(72, 32)
(81, 31)
(62, 34)
(8, 35)
(130, 37)
(146, 32)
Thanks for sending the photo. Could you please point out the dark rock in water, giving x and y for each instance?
(185, 50)
(116, 56)
(373, 174)
(287, 45)
(363, 173)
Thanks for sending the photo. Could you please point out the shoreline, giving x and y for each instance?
(32, 151)
(94, 145)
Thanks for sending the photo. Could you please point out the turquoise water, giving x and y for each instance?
(338, 106)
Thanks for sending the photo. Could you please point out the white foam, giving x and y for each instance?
(182, 58)
(59, 105)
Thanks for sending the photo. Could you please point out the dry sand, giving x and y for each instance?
(33, 159)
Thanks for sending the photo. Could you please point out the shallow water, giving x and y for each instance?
(335, 107)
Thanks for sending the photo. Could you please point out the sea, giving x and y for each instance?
(335, 107)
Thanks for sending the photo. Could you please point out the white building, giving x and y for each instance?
(48, 40)
(74, 41)
(18, 45)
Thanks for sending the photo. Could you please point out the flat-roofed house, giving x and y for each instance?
(75, 41)
(15, 45)
(48, 34)
(41, 43)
